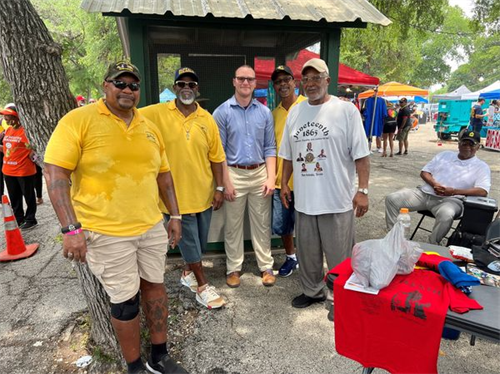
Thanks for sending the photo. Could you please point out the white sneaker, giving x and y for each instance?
(379, 150)
(189, 281)
(210, 298)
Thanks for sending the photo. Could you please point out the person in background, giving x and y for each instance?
(390, 126)
(476, 116)
(38, 184)
(448, 177)
(80, 101)
(404, 126)
(283, 221)
(491, 112)
(18, 170)
(4, 126)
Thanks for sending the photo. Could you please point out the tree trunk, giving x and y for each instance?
(32, 66)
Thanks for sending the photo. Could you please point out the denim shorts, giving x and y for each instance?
(194, 240)
(283, 219)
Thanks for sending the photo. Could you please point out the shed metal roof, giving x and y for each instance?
(332, 11)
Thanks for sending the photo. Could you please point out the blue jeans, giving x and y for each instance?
(194, 240)
(283, 219)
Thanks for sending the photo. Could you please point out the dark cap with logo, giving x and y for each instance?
(473, 136)
(186, 71)
(122, 67)
(281, 69)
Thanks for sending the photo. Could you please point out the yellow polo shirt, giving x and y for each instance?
(191, 144)
(280, 114)
(114, 189)
(5, 126)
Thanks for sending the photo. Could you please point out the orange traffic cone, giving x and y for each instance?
(16, 249)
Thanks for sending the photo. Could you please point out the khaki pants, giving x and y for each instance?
(248, 185)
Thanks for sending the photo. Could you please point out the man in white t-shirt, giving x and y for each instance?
(327, 133)
(448, 177)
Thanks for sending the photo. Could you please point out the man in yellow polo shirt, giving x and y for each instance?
(106, 171)
(284, 218)
(195, 153)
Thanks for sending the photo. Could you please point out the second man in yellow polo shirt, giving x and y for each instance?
(194, 151)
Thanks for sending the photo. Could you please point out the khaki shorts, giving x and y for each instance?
(403, 133)
(120, 262)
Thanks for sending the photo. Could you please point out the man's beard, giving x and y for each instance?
(186, 100)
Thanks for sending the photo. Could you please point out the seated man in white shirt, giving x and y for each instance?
(448, 177)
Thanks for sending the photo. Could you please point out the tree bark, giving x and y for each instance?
(32, 66)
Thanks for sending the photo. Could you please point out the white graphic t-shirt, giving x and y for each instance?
(323, 141)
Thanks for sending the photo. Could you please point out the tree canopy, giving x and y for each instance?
(425, 39)
(90, 42)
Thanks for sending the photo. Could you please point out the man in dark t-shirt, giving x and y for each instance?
(404, 126)
(476, 116)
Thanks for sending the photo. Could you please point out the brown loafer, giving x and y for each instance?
(268, 278)
(233, 279)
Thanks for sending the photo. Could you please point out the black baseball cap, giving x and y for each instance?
(122, 67)
(473, 136)
(281, 69)
(186, 71)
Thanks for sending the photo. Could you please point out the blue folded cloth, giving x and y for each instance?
(457, 276)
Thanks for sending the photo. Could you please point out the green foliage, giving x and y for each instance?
(487, 15)
(416, 48)
(167, 65)
(5, 93)
(90, 42)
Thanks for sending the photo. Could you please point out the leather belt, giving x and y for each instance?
(247, 167)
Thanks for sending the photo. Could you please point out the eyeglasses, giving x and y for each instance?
(121, 85)
(182, 84)
(286, 79)
(243, 79)
(466, 143)
(313, 79)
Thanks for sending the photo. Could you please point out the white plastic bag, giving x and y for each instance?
(376, 262)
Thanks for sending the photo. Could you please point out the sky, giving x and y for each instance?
(466, 5)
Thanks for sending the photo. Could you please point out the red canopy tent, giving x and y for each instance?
(347, 75)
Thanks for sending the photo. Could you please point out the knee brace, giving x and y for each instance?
(127, 310)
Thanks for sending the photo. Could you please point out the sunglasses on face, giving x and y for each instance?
(313, 79)
(286, 79)
(182, 84)
(121, 85)
(243, 79)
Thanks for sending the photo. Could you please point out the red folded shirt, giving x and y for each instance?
(399, 329)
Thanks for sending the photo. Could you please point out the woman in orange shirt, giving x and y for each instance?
(18, 169)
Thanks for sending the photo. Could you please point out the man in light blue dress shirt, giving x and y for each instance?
(247, 134)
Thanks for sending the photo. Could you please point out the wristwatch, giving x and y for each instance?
(220, 189)
(364, 191)
(71, 227)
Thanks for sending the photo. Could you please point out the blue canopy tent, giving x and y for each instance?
(166, 95)
(420, 100)
(495, 94)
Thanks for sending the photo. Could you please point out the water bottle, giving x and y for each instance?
(405, 219)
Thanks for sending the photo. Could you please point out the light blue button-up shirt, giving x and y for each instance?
(247, 134)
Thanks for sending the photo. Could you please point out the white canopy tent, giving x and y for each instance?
(453, 95)
(475, 95)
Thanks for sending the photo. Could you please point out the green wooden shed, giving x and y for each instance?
(214, 37)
